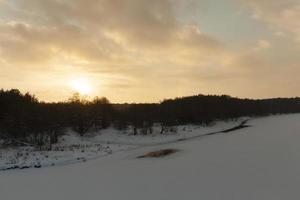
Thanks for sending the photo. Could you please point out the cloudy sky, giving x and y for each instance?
(145, 51)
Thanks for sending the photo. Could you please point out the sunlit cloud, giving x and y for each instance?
(281, 16)
(140, 50)
(263, 44)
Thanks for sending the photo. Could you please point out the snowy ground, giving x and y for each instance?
(73, 148)
(259, 162)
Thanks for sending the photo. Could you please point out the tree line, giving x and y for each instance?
(26, 120)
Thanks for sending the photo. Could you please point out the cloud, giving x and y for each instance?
(137, 40)
(263, 44)
(101, 31)
(281, 16)
(130, 47)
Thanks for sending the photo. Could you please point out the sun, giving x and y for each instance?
(82, 86)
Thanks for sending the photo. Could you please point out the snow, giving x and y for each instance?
(112, 136)
(72, 148)
(28, 157)
(259, 162)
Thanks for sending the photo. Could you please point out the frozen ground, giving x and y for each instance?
(261, 162)
(73, 149)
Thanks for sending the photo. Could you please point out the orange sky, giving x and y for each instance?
(145, 51)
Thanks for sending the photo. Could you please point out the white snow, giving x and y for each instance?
(113, 136)
(261, 162)
(72, 148)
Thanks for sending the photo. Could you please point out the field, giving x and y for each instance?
(258, 162)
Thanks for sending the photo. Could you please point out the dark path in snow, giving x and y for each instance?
(242, 125)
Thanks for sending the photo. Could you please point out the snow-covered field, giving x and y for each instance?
(72, 148)
(261, 162)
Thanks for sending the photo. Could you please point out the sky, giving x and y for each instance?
(146, 51)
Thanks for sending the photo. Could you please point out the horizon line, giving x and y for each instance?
(90, 98)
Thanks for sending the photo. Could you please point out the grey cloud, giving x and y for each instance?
(281, 16)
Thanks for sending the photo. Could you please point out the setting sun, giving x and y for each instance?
(81, 86)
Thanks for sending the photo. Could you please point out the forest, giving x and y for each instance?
(26, 120)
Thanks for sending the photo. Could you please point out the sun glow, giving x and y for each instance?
(81, 86)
